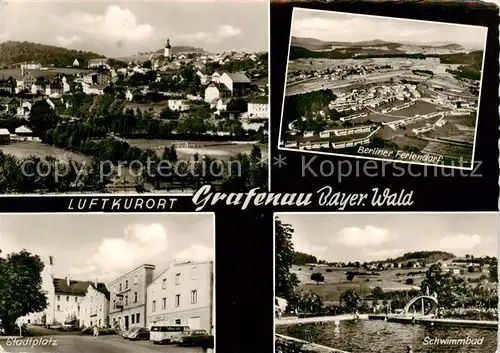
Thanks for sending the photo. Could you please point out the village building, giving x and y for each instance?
(4, 137)
(179, 105)
(183, 294)
(237, 83)
(95, 63)
(95, 306)
(76, 63)
(8, 105)
(216, 91)
(258, 108)
(128, 298)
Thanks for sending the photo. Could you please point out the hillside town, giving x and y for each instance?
(189, 103)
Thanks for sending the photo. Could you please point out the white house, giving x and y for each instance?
(180, 105)
(216, 91)
(128, 95)
(76, 63)
(258, 107)
(222, 104)
(182, 295)
(235, 81)
(94, 308)
(216, 77)
(204, 77)
(24, 110)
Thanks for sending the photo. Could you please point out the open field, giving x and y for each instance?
(187, 149)
(404, 140)
(378, 118)
(41, 150)
(447, 150)
(6, 73)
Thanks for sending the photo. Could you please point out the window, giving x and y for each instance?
(132, 318)
(120, 287)
(177, 300)
(135, 297)
(164, 303)
(194, 297)
(154, 305)
(58, 298)
(67, 298)
(126, 284)
(126, 300)
(177, 321)
(177, 279)
(164, 284)
(58, 308)
(135, 280)
(76, 299)
(193, 273)
(137, 318)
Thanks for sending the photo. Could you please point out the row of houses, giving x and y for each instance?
(181, 294)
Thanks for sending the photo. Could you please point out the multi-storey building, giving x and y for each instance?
(94, 308)
(128, 298)
(183, 295)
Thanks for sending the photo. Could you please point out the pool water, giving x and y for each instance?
(366, 336)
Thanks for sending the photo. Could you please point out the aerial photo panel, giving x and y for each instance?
(383, 88)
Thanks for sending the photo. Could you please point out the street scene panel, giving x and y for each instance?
(134, 283)
(124, 97)
(392, 282)
(383, 88)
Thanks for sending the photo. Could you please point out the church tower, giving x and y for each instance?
(168, 50)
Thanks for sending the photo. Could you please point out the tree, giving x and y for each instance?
(450, 289)
(285, 280)
(20, 288)
(350, 276)
(494, 272)
(317, 277)
(42, 118)
(378, 293)
(350, 299)
(409, 281)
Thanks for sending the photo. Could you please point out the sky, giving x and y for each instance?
(103, 247)
(125, 28)
(364, 237)
(342, 27)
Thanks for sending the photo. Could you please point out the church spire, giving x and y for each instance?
(168, 44)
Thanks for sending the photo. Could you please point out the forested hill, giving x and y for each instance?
(16, 52)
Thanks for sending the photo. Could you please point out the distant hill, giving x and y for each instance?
(300, 258)
(17, 52)
(140, 57)
(316, 44)
(425, 256)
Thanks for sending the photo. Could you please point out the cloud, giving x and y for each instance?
(117, 255)
(301, 244)
(116, 24)
(195, 253)
(221, 33)
(67, 41)
(362, 237)
(227, 31)
(460, 241)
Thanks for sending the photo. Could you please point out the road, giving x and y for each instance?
(77, 343)
(316, 84)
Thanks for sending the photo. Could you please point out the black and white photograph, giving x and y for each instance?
(383, 88)
(386, 282)
(120, 283)
(131, 97)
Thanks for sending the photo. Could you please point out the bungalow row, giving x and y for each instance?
(332, 144)
(398, 123)
(354, 116)
(428, 127)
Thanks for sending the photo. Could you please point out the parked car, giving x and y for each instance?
(139, 333)
(125, 333)
(195, 338)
